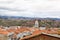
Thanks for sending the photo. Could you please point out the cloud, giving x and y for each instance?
(15, 13)
(6, 1)
(11, 9)
(30, 8)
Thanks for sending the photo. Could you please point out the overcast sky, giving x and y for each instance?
(30, 8)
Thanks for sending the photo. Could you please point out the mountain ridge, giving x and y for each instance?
(21, 17)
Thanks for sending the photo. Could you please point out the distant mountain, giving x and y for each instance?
(15, 17)
(26, 18)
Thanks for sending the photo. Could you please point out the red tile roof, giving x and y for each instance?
(22, 29)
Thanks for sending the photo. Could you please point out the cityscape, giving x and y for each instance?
(29, 19)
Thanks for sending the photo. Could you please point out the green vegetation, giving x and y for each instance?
(30, 23)
(4, 22)
(49, 23)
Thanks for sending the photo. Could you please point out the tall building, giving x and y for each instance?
(36, 24)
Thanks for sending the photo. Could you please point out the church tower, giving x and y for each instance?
(36, 24)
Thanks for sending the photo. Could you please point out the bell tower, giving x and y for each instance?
(36, 24)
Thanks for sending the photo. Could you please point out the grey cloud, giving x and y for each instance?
(11, 9)
(7, 1)
(47, 14)
(26, 8)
